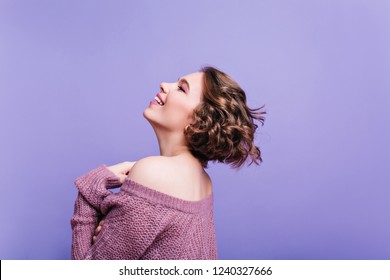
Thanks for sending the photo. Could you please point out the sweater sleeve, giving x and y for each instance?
(130, 227)
(87, 213)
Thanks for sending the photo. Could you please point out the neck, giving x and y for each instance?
(171, 143)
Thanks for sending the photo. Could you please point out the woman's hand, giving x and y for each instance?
(97, 231)
(121, 169)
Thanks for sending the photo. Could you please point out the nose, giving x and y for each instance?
(164, 88)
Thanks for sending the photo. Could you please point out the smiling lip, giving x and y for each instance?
(159, 97)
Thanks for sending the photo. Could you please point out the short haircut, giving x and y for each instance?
(223, 125)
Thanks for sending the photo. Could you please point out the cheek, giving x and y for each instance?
(177, 114)
(180, 108)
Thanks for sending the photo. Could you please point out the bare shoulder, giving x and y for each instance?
(170, 176)
(145, 167)
(150, 162)
(153, 172)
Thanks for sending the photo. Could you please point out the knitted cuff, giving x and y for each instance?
(93, 185)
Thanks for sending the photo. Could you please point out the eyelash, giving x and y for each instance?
(181, 88)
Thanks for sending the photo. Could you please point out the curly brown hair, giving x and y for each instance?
(223, 126)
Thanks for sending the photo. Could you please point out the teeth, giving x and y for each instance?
(158, 100)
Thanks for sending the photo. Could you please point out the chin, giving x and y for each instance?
(148, 116)
(145, 113)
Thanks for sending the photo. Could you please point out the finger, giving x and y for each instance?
(94, 239)
(122, 177)
(127, 165)
(98, 229)
(101, 223)
(125, 171)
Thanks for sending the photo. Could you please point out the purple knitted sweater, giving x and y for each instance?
(140, 223)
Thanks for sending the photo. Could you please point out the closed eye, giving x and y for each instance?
(181, 89)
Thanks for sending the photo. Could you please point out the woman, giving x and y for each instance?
(164, 209)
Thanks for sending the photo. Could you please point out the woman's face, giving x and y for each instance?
(173, 106)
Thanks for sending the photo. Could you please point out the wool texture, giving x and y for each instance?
(139, 222)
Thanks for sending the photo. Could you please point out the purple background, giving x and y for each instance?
(75, 77)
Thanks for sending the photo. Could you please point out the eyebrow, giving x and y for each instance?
(185, 82)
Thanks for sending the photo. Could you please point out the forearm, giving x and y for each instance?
(84, 221)
(87, 214)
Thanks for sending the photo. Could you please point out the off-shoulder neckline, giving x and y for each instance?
(158, 197)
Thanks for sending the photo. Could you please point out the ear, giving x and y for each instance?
(187, 127)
